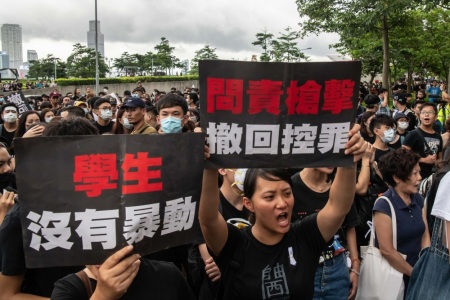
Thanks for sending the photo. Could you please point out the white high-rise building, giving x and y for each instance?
(32, 55)
(91, 38)
(12, 44)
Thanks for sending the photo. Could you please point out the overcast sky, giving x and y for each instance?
(136, 26)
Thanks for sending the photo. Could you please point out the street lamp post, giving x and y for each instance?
(96, 52)
(55, 68)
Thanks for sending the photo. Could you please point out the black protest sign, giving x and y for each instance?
(21, 101)
(259, 114)
(83, 198)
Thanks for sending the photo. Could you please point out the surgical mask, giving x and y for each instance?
(106, 115)
(127, 124)
(193, 119)
(388, 136)
(47, 120)
(239, 177)
(171, 125)
(403, 125)
(10, 117)
(2, 100)
(86, 111)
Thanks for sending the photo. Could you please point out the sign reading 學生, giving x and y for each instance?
(259, 114)
(100, 193)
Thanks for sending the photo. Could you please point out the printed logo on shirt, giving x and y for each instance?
(274, 284)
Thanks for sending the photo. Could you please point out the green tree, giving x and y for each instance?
(264, 40)
(207, 52)
(164, 58)
(81, 63)
(285, 47)
(357, 18)
(45, 68)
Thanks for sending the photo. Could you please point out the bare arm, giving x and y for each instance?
(211, 269)
(385, 99)
(10, 289)
(214, 227)
(354, 257)
(383, 225)
(364, 175)
(6, 202)
(330, 218)
(426, 235)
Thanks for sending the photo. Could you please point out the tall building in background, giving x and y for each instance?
(12, 44)
(91, 38)
(4, 59)
(32, 55)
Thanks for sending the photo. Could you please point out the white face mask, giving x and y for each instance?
(106, 115)
(389, 136)
(127, 124)
(403, 125)
(47, 120)
(239, 177)
(10, 117)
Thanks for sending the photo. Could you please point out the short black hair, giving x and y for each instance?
(73, 111)
(379, 120)
(268, 174)
(172, 100)
(399, 163)
(428, 104)
(11, 104)
(71, 126)
(100, 101)
(45, 104)
(151, 109)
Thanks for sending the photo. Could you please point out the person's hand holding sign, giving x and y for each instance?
(115, 275)
(6, 202)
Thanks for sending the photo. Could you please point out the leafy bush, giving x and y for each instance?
(118, 80)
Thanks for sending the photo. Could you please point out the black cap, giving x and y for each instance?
(134, 102)
(371, 99)
(401, 98)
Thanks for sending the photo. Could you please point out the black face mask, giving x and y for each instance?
(8, 181)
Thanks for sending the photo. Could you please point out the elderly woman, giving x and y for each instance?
(401, 171)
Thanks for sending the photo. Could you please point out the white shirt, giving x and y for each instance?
(441, 207)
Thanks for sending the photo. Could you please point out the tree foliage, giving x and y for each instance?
(45, 68)
(81, 63)
(207, 52)
(355, 18)
(283, 48)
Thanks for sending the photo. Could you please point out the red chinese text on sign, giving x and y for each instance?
(225, 94)
(264, 95)
(144, 171)
(95, 173)
(338, 95)
(303, 100)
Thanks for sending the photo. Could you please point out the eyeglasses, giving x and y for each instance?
(427, 113)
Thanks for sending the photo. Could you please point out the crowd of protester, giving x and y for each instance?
(17, 85)
(266, 233)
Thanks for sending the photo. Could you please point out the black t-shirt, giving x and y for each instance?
(308, 202)
(231, 214)
(379, 153)
(103, 129)
(37, 281)
(416, 141)
(155, 280)
(253, 270)
(9, 136)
